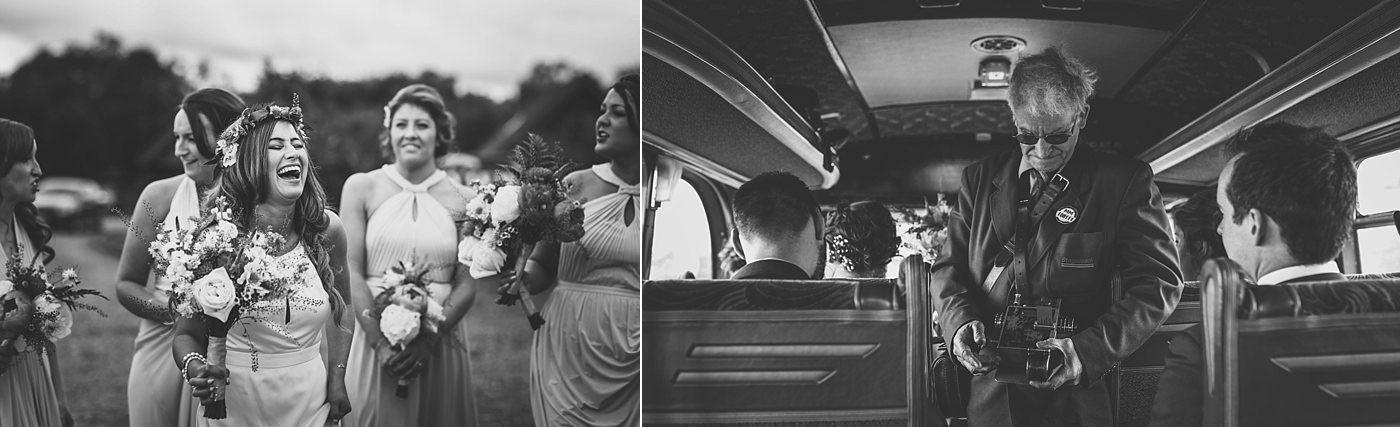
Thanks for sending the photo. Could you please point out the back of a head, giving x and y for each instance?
(1049, 83)
(1302, 178)
(774, 206)
(219, 106)
(861, 236)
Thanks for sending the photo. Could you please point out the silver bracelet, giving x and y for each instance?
(185, 369)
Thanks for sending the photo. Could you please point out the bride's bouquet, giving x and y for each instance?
(404, 308)
(220, 274)
(925, 234)
(38, 309)
(508, 218)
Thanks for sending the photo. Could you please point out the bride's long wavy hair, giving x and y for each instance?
(16, 146)
(246, 184)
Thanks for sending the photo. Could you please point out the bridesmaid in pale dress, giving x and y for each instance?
(31, 390)
(155, 393)
(278, 378)
(392, 214)
(585, 361)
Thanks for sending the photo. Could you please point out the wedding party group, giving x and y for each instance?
(262, 304)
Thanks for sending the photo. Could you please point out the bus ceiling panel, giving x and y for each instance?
(913, 62)
(719, 138)
(1361, 44)
(715, 105)
(784, 42)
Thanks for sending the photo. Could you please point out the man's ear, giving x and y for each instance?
(738, 246)
(1084, 116)
(1259, 226)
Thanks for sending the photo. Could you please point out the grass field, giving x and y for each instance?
(96, 358)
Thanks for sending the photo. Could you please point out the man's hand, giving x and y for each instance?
(967, 342)
(1066, 375)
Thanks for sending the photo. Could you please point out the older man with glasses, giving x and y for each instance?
(1050, 228)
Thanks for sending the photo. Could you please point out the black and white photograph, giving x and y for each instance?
(349, 213)
(1021, 212)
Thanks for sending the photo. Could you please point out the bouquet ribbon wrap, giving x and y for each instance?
(521, 291)
(217, 330)
(401, 389)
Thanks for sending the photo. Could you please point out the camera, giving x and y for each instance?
(1017, 331)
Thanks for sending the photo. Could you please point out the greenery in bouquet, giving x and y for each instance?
(38, 309)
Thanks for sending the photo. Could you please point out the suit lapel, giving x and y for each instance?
(1050, 227)
(1003, 202)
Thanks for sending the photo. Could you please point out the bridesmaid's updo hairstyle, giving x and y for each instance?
(427, 98)
(16, 146)
(219, 106)
(861, 236)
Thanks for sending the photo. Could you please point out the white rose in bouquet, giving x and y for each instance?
(392, 279)
(486, 260)
(6, 287)
(62, 323)
(214, 293)
(506, 207)
(435, 313)
(399, 325)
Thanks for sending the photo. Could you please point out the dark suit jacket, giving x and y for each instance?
(1121, 228)
(770, 269)
(1181, 389)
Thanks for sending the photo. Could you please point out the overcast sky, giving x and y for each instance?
(488, 45)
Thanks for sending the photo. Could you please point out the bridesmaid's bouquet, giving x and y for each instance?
(508, 218)
(925, 234)
(405, 308)
(37, 309)
(202, 263)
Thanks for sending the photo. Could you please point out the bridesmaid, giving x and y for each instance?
(278, 377)
(391, 214)
(31, 390)
(155, 393)
(585, 361)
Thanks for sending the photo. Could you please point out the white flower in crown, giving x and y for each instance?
(228, 153)
(387, 115)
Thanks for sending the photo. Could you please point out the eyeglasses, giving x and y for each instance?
(1052, 139)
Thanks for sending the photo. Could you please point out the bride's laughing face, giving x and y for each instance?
(287, 163)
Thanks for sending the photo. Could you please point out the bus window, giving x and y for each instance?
(1378, 192)
(1378, 183)
(681, 247)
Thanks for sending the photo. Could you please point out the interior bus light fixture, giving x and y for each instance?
(1062, 4)
(933, 4)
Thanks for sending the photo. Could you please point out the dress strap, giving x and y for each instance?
(421, 187)
(604, 172)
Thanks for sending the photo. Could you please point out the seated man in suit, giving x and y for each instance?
(778, 229)
(1287, 198)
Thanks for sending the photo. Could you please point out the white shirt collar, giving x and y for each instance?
(1289, 273)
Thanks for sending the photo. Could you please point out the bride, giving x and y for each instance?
(277, 376)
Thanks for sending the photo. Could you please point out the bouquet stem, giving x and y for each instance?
(217, 331)
(401, 389)
(523, 291)
(218, 353)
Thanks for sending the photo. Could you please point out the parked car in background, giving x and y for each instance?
(73, 203)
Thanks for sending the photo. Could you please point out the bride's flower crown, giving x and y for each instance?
(226, 149)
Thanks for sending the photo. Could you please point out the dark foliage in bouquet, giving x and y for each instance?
(46, 313)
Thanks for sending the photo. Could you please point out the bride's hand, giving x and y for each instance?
(410, 361)
(202, 378)
(339, 400)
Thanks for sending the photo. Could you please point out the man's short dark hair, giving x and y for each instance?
(1302, 178)
(774, 206)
